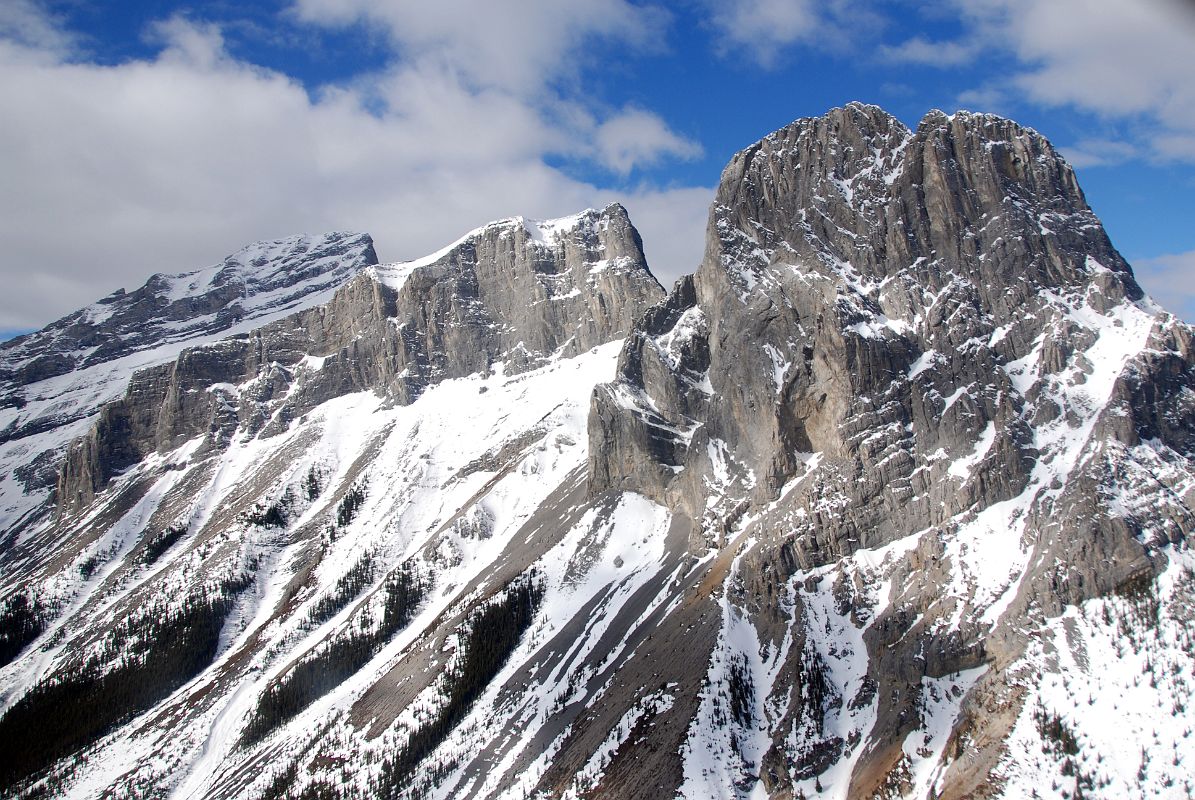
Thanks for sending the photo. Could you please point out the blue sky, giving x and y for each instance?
(160, 136)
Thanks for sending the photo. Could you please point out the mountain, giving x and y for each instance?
(54, 381)
(892, 497)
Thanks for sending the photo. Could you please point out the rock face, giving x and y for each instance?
(514, 293)
(845, 253)
(892, 497)
(54, 382)
(900, 332)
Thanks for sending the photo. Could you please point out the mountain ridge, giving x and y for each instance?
(891, 497)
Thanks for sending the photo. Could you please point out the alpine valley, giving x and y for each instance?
(892, 497)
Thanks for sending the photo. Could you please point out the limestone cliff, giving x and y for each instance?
(908, 333)
(514, 293)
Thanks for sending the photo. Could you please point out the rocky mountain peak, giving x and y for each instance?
(844, 253)
(892, 497)
(900, 335)
(857, 186)
(54, 382)
(514, 292)
(511, 295)
(793, 163)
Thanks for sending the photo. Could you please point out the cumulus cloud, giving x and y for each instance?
(518, 45)
(764, 27)
(1104, 55)
(637, 137)
(113, 172)
(1170, 279)
(920, 50)
(25, 23)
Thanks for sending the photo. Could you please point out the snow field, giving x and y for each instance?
(1109, 705)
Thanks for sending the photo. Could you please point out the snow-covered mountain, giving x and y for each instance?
(892, 497)
(53, 382)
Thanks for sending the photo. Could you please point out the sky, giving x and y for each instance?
(160, 136)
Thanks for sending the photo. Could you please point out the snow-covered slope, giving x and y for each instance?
(891, 498)
(306, 512)
(53, 381)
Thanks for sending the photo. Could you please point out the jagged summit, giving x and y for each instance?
(498, 296)
(568, 235)
(852, 228)
(858, 186)
(892, 497)
(260, 279)
(868, 117)
(920, 337)
(552, 231)
(54, 382)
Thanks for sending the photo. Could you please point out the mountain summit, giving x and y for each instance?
(892, 497)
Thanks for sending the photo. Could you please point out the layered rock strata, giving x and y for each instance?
(908, 335)
(892, 497)
(511, 294)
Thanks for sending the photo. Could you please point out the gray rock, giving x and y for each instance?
(507, 293)
(262, 278)
(883, 339)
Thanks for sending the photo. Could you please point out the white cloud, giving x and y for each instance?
(920, 50)
(518, 45)
(762, 30)
(1099, 152)
(188, 43)
(672, 223)
(638, 137)
(167, 164)
(1174, 145)
(988, 99)
(1106, 55)
(25, 23)
(1124, 60)
(1170, 279)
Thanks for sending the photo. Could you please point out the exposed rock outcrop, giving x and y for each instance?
(846, 254)
(896, 332)
(513, 293)
(259, 280)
